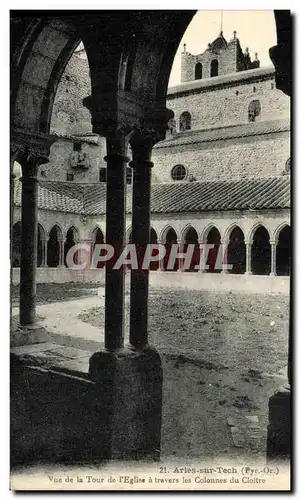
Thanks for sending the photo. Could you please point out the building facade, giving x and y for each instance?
(221, 176)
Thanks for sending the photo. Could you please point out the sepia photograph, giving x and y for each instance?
(150, 250)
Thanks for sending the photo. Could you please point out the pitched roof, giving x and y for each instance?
(222, 133)
(245, 194)
(246, 76)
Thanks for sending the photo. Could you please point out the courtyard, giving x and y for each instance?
(223, 356)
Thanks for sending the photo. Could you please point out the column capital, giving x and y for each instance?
(280, 56)
(114, 114)
(30, 149)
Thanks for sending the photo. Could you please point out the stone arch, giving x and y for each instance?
(198, 71)
(236, 250)
(251, 233)
(97, 235)
(213, 237)
(170, 238)
(278, 231)
(190, 236)
(16, 244)
(203, 235)
(162, 236)
(185, 121)
(214, 68)
(283, 251)
(70, 240)
(54, 245)
(261, 251)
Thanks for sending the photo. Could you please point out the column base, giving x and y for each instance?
(130, 384)
(248, 273)
(272, 274)
(279, 428)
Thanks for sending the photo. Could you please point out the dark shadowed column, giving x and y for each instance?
(279, 428)
(29, 230)
(141, 153)
(115, 236)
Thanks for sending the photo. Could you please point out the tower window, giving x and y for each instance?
(288, 166)
(178, 173)
(76, 146)
(102, 174)
(70, 177)
(254, 110)
(272, 86)
(198, 71)
(185, 121)
(214, 68)
(254, 89)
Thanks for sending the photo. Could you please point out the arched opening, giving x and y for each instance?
(236, 252)
(170, 239)
(213, 238)
(198, 71)
(40, 244)
(185, 121)
(261, 252)
(254, 110)
(191, 238)
(53, 247)
(214, 68)
(283, 252)
(16, 245)
(98, 238)
(153, 241)
(69, 243)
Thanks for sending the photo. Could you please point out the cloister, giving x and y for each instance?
(263, 251)
(130, 55)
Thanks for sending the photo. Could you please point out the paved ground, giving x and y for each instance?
(223, 356)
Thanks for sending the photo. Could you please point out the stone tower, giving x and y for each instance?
(220, 58)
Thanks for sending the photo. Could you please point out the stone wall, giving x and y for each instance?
(69, 116)
(254, 156)
(59, 161)
(220, 107)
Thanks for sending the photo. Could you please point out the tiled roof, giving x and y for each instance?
(222, 80)
(245, 194)
(222, 133)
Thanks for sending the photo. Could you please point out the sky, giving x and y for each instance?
(255, 29)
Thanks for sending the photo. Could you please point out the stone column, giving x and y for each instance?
(248, 257)
(44, 252)
(61, 256)
(279, 428)
(273, 258)
(224, 247)
(180, 244)
(141, 146)
(161, 262)
(115, 235)
(29, 163)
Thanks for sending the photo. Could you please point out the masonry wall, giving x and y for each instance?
(256, 156)
(229, 105)
(69, 116)
(59, 161)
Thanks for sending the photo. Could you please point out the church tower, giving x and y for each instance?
(220, 58)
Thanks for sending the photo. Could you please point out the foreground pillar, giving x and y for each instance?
(279, 429)
(139, 288)
(28, 265)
